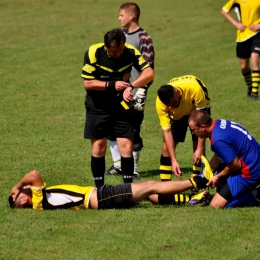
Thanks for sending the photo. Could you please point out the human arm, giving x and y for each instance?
(32, 178)
(232, 167)
(199, 151)
(99, 85)
(169, 142)
(235, 23)
(255, 27)
(214, 162)
(145, 77)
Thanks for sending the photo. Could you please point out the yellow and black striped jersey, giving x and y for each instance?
(63, 196)
(99, 65)
(248, 13)
(194, 96)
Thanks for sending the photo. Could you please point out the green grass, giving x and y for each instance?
(42, 118)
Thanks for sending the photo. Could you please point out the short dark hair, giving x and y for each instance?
(132, 7)
(11, 201)
(165, 93)
(115, 36)
(200, 117)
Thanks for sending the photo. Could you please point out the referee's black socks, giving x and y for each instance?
(127, 166)
(98, 168)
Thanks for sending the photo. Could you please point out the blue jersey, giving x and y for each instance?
(230, 140)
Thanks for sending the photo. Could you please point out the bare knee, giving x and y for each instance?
(218, 202)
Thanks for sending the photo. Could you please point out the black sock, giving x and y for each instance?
(98, 167)
(165, 168)
(127, 166)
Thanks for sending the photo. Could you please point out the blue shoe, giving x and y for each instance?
(201, 197)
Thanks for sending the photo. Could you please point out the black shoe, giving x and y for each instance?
(256, 193)
(113, 171)
(249, 92)
(254, 96)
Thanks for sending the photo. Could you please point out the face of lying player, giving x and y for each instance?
(125, 18)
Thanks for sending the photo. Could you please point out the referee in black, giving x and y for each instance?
(106, 72)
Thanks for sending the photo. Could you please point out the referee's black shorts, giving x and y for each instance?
(109, 119)
(115, 197)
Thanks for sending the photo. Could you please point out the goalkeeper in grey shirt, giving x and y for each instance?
(129, 14)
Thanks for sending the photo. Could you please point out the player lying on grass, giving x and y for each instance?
(124, 195)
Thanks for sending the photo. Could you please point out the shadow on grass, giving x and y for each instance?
(156, 173)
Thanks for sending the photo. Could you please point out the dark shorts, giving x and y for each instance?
(179, 128)
(244, 49)
(225, 192)
(115, 197)
(103, 120)
(138, 117)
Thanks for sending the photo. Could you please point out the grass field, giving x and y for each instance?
(42, 118)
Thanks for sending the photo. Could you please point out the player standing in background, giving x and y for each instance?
(248, 40)
(175, 102)
(106, 72)
(129, 14)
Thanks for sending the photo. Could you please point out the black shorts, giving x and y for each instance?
(179, 128)
(115, 197)
(225, 192)
(110, 118)
(244, 49)
(138, 117)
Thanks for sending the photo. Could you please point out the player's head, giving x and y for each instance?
(169, 96)
(198, 122)
(128, 12)
(114, 42)
(24, 200)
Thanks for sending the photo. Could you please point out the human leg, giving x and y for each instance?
(125, 146)
(255, 75)
(97, 127)
(142, 190)
(179, 130)
(124, 133)
(138, 141)
(98, 147)
(247, 75)
(165, 164)
(243, 51)
(199, 182)
(116, 157)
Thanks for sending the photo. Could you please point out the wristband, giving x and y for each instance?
(111, 84)
(131, 86)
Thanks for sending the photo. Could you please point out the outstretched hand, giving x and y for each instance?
(213, 182)
(177, 170)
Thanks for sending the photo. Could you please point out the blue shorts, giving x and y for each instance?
(239, 185)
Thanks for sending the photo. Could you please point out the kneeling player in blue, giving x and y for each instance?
(237, 149)
(126, 195)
